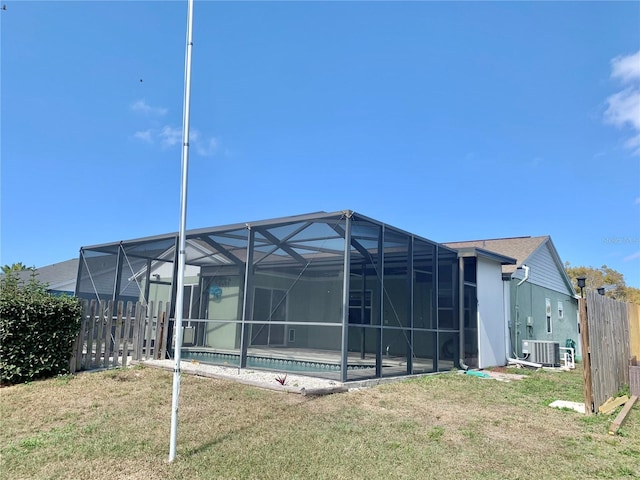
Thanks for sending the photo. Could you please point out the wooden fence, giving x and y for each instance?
(113, 335)
(605, 348)
(634, 347)
(634, 329)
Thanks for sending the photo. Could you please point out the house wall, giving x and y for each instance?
(491, 345)
(545, 281)
(544, 271)
(529, 300)
(316, 300)
(224, 335)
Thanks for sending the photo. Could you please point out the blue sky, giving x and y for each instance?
(452, 120)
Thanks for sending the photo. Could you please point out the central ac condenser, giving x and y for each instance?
(541, 351)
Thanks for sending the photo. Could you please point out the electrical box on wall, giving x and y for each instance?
(529, 321)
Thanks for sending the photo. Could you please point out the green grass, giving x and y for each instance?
(116, 423)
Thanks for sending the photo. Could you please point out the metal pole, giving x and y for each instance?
(345, 299)
(181, 235)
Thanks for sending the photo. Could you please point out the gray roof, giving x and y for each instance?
(62, 274)
(519, 248)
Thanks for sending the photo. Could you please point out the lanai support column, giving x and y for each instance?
(345, 299)
(461, 355)
(247, 304)
(117, 281)
(410, 284)
(380, 319)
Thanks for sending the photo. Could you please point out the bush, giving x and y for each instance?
(37, 330)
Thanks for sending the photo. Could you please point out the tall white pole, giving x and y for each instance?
(182, 242)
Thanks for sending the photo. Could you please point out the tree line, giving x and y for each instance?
(604, 277)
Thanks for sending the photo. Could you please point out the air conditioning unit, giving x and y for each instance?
(542, 351)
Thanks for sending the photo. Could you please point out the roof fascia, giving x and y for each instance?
(479, 252)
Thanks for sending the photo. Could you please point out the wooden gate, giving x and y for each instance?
(114, 334)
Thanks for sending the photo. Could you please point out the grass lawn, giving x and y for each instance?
(115, 424)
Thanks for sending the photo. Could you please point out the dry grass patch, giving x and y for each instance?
(453, 426)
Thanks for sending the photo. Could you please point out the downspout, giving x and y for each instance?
(463, 365)
(506, 309)
(517, 319)
(526, 275)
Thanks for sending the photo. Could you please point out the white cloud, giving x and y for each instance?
(623, 107)
(170, 136)
(145, 136)
(633, 256)
(140, 106)
(626, 68)
(205, 147)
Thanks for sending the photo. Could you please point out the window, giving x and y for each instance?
(548, 313)
(560, 311)
(191, 301)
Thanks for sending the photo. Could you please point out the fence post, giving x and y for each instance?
(75, 362)
(586, 356)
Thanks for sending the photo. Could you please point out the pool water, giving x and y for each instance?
(268, 363)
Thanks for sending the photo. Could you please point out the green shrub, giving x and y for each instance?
(37, 330)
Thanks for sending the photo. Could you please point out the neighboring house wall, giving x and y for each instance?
(545, 282)
(530, 301)
(491, 318)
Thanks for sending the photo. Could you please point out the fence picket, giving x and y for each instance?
(165, 330)
(118, 335)
(157, 344)
(91, 320)
(108, 337)
(149, 331)
(140, 329)
(99, 333)
(127, 334)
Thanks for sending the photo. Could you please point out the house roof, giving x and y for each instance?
(56, 275)
(519, 248)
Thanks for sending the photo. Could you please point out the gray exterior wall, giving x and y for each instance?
(529, 300)
(546, 281)
(544, 270)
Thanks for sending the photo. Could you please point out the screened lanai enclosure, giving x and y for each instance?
(337, 295)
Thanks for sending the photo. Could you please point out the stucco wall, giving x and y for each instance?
(491, 345)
